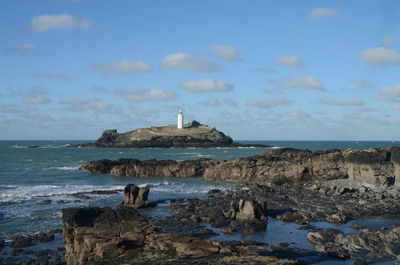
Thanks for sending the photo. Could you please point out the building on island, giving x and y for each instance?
(180, 119)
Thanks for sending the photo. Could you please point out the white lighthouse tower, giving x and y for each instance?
(180, 120)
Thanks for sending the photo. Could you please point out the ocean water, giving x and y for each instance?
(36, 183)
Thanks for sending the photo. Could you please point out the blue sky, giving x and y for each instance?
(257, 70)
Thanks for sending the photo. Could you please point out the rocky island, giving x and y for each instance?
(193, 135)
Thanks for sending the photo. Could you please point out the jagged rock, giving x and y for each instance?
(136, 197)
(92, 234)
(148, 168)
(248, 209)
(369, 244)
(372, 167)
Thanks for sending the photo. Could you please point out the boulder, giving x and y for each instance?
(248, 209)
(136, 197)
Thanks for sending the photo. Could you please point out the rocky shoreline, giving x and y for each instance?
(95, 235)
(373, 167)
(108, 236)
(293, 186)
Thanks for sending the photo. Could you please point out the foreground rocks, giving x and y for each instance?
(104, 236)
(372, 167)
(370, 246)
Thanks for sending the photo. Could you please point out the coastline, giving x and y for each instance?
(172, 186)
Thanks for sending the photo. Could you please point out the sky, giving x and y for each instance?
(256, 70)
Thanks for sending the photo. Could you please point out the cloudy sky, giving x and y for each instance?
(257, 70)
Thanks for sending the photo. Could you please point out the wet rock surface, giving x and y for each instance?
(368, 246)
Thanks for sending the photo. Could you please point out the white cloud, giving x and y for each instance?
(381, 57)
(230, 102)
(145, 94)
(38, 99)
(298, 114)
(304, 82)
(390, 93)
(321, 12)
(211, 102)
(44, 74)
(123, 67)
(206, 85)
(36, 95)
(79, 105)
(269, 103)
(360, 83)
(341, 102)
(264, 70)
(226, 52)
(22, 48)
(389, 40)
(60, 21)
(292, 61)
(185, 61)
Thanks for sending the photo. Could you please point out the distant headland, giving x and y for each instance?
(180, 135)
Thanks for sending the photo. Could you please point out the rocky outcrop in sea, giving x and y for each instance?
(373, 167)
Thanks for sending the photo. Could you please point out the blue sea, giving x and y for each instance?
(36, 183)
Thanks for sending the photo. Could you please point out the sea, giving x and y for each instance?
(40, 178)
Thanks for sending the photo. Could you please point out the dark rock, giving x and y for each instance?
(21, 242)
(44, 202)
(43, 237)
(136, 197)
(357, 226)
(213, 191)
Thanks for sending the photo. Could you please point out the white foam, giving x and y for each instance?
(20, 146)
(66, 168)
(13, 193)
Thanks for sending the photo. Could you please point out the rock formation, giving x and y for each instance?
(368, 246)
(373, 167)
(149, 168)
(136, 197)
(248, 209)
(193, 134)
(105, 236)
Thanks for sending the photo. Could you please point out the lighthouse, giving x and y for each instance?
(180, 120)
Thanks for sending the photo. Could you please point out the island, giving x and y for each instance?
(190, 135)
